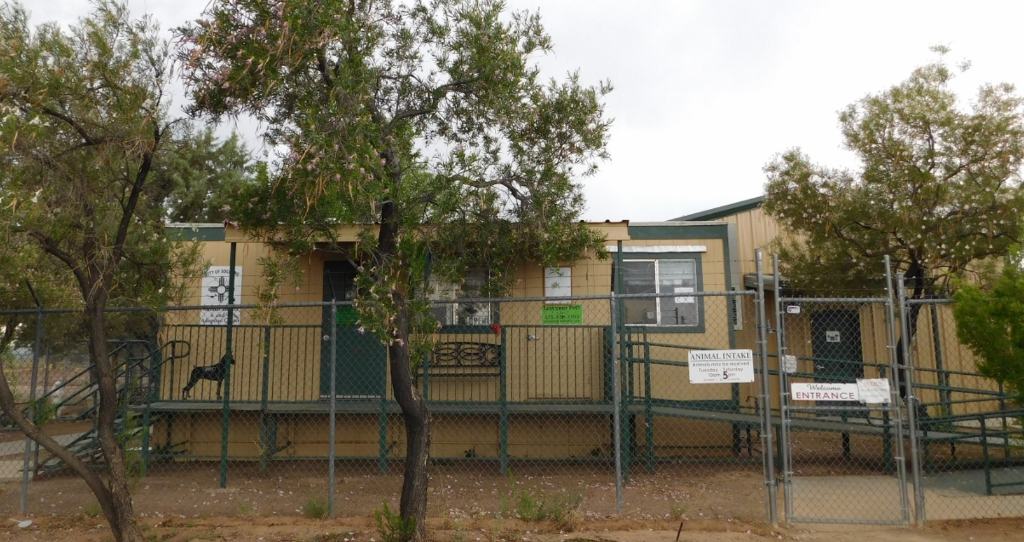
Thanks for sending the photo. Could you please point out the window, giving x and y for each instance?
(661, 276)
(459, 313)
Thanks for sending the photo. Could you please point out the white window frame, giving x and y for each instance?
(452, 305)
(659, 294)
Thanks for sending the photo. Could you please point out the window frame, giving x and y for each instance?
(657, 257)
(452, 307)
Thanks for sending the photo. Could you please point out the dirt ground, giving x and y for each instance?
(456, 492)
(360, 529)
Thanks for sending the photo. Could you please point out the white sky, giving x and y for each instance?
(707, 92)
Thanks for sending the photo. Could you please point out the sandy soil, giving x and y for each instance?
(458, 491)
(361, 529)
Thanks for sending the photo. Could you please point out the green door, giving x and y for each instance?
(361, 359)
(835, 340)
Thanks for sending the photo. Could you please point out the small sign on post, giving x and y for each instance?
(564, 315)
(215, 292)
(789, 364)
(721, 366)
(873, 391)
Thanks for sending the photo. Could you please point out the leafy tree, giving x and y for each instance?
(203, 176)
(83, 125)
(24, 266)
(427, 118)
(990, 321)
(938, 189)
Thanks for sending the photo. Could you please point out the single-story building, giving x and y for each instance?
(522, 378)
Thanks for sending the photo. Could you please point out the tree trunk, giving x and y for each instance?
(103, 493)
(916, 275)
(413, 505)
(121, 513)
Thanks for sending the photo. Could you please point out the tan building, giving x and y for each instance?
(523, 378)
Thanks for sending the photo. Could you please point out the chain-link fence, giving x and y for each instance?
(970, 459)
(690, 404)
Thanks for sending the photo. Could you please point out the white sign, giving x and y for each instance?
(558, 282)
(684, 290)
(792, 309)
(873, 390)
(823, 392)
(832, 336)
(215, 292)
(721, 366)
(789, 364)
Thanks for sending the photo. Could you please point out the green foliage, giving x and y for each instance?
(556, 507)
(937, 188)
(428, 117)
(203, 176)
(315, 508)
(129, 437)
(92, 509)
(392, 527)
(43, 411)
(990, 321)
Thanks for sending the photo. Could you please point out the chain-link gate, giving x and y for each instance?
(842, 449)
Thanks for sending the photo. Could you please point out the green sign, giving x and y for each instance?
(561, 315)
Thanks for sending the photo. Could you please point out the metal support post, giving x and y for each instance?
(616, 400)
(333, 409)
(780, 343)
(503, 403)
(229, 357)
(908, 375)
(765, 399)
(894, 406)
(26, 463)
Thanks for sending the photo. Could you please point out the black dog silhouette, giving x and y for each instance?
(209, 372)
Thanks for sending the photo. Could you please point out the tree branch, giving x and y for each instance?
(133, 198)
(50, 246)
(436, 95)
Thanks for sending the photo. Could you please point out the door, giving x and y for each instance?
(361, 359)
(835, 341)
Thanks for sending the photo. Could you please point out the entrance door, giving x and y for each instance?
(835, 340)
(361, 358)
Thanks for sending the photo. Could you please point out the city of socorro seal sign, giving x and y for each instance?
(721, 366)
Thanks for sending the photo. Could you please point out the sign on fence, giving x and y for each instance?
(721, 366)
(873, 390)
(789, 363)
(215, 292)
(823, 392)
(562, 315)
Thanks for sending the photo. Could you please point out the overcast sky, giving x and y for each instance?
(708, 92)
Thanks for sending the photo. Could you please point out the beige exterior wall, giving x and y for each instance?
(755, 229)
(545, 364)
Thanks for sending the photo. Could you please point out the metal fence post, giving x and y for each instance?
(765, 400)
(780, 343)
(229, 356)
(901, 465)
(333, 408)
(25, 463)
(908, 375)
(268, 437)
(616, 401)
